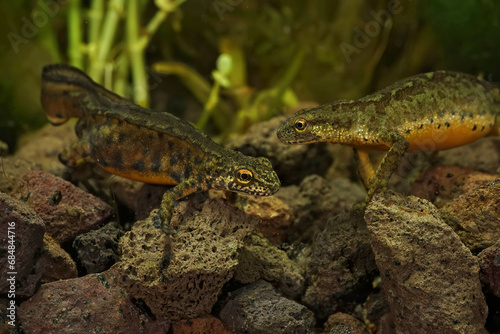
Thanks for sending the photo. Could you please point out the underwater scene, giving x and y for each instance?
(235, 166)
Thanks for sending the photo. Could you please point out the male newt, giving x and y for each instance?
(141, 144)
(427, 112)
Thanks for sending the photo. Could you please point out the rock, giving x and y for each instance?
(98, 250)
(52, 264)
(341, 267)
(342, 323)
(373, 309)
(259, 258)
(88, 304)
(483, 155)
(12, 171)
(45, 145)
(444, 183)
(489, 262)
(205, 325)
(274, 214)
(292, 163)
(9, 323)
(259, 309)
(66, 210)
(148, 198)
(180, 276)
(316, 200)
(475, 216)
(430, 279)
(21, 230)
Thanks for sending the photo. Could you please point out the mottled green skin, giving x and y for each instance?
(426, 112)
(145, 145)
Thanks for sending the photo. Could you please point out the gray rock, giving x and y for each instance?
(429, 277)
(259, 309)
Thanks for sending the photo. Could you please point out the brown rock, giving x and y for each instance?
(481, 155)
(341, 267)
(180, 276)
(87, 304)
(44, 146)
(66, 210)
(259, 258)
(21, 230)
(315, 201)
(443, 183)
(291, 162)
(258, 309)
(12, 171)
(489, 261)
(342, 323)
(430, 279)
(53, 264)
(274, 214)
(475, 216)
(205, 325)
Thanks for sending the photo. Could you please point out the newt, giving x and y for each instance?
(426, 112)
(145, 145)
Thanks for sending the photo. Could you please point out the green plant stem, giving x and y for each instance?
(139, 78)
(115, 10)
(96, 14)
(121, 75)
(212, 101)
(75, 33)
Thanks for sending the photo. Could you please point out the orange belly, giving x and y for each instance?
(146, 177)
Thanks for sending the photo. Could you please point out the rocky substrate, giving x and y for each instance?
(311, 259)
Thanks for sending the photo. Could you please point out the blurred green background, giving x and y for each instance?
(225, 64)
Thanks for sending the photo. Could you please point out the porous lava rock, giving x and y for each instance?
(259, 309)
(429, 277)
(179, 276)
(66, 210)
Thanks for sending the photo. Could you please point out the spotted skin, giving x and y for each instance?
(427, 112)
(145, 145)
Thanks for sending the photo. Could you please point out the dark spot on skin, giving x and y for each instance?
(138, 166)
(449, 175)
(200, 178)
(103, 162)
(197, 160)
(482, 128)
(365, 139)
(174, 159)
(59, 115)
(120, 122)
(474, 127)
(447, 124)
(188, 154)
(439, 126)
(471, 115)
(431, 120)
(175, 176)
(156, 161)
(462, 117)
(170, 145)
(421, 126)
(146, 151)
(121, 137)
(187, 171)
(453, 112)
(108, 141)
(117, 161)
(192, 183)
(481, 197)
(408, 131)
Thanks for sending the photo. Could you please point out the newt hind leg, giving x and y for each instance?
(390, 162)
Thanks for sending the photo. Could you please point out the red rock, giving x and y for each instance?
(205, 325)
(443, 183)
(66, 210)
(26, 235)
(88, 304)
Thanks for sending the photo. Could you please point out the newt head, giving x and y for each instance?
(241, 173)
(324, 123)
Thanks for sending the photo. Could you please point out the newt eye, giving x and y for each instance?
(300, 124)
(244, 176)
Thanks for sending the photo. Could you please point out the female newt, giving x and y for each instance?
(426, 112)
(141, 144)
